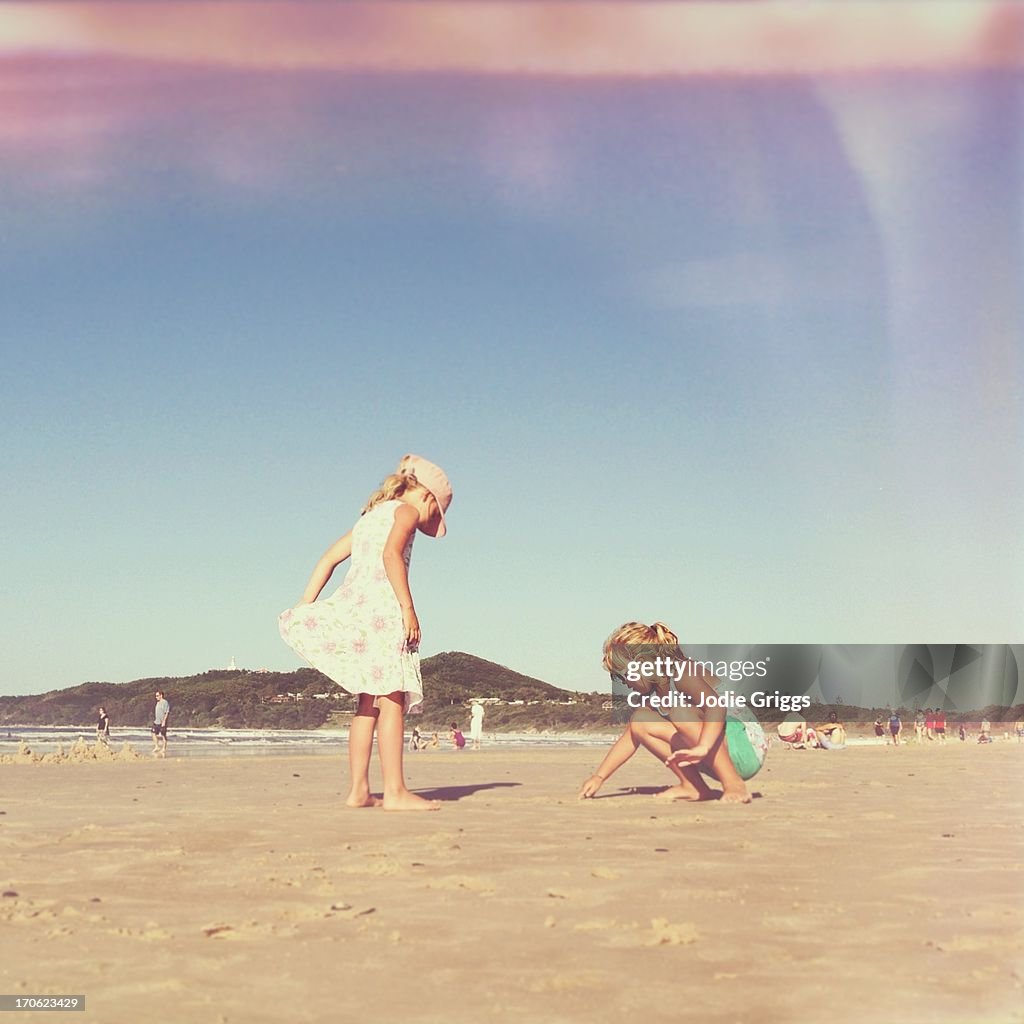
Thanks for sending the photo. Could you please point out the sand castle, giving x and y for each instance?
(79, 752)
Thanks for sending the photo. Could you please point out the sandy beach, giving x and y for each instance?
(865, 885)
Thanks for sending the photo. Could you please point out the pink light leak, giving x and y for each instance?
(598, 39)
(81, 83)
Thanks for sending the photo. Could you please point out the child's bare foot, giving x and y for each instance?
(363, 800)
(684, 791)
(731, 795)
(407, 801)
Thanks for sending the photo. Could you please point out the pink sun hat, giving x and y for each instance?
(433, 478)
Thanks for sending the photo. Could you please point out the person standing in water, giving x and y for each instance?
(160, 715)
(103, 728)
(476, 725)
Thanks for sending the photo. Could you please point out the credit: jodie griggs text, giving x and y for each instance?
(674, 670)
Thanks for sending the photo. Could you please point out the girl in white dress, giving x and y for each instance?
(366, 635)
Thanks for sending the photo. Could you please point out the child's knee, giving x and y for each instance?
(642, 721)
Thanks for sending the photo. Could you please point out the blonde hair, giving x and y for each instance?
(632, 642)
(393, 486)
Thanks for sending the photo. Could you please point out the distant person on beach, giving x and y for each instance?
(160, 715)
(435, 742)
(985, 736)
(366, 635)
(415, 741)
(476, 725)
(688, 740)
(919, 726)
(103, 728)
(940, 725)
(895, 728)
(1018, 728)
(456, 736)
(832, 733)
(796, 733)
(929, 723)
(880, 729)
(963, 733)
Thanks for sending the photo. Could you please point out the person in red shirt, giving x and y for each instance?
(929, 723)
(940, 726)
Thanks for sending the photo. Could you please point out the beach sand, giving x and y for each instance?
(865, 885)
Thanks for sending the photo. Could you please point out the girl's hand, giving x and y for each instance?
(690, 755)
(590, 787)
(412, 627)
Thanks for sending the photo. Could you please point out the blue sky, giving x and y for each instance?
(737, 351)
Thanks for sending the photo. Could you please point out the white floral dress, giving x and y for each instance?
(355, 636)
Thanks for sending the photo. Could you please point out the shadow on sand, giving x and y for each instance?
(653, 790)
(458, 792)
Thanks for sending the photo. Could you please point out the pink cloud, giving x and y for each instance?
(77, 122)
(232, 94)
(566, 40)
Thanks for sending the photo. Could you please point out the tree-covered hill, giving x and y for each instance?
(454, 677)
(242, 699)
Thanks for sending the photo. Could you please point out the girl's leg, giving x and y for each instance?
(734, 789)
(661, 738)
(360, 745)
(390, 749)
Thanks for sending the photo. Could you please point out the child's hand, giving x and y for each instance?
(412, 627)
(590, 787)
(689, 755)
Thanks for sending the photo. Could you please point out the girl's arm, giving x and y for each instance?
(712, 726)
(406, 521)
(332, 558)
(618, 754)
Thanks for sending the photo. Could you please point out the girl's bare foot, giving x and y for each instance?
(406, 801)
(684, 791)
(736, 796)
(363, 800)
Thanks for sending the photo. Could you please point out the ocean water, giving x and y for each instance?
(221, 742)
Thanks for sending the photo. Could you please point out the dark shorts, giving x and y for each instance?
(894, 730)
(940, 729)
(159, 730)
